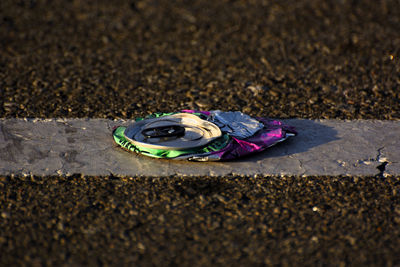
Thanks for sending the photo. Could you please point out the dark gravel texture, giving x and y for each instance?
(122, 59)
(200, 221)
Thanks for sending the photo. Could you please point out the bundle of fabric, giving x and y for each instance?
(201, 135)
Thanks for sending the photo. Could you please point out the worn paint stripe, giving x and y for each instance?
(85, 146)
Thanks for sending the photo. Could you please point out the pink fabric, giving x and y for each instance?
(273, 132)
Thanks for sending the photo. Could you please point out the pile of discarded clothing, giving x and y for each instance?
(201, 135)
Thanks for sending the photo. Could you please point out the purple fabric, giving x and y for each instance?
(273, 132)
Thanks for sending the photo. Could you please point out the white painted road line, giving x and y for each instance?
(323, 147)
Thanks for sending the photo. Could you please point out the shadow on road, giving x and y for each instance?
(311, 134)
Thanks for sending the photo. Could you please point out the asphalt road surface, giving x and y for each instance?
(122, 59)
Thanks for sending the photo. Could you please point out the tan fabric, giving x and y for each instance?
(198, 132)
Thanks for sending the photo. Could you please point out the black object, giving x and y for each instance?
(164, 131)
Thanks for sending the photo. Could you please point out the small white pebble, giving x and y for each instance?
(383, 159)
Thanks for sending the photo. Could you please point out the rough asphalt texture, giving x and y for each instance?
(200, 221)
(122, 59)
(305, 59)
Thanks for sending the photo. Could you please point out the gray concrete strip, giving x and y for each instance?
(323, 147)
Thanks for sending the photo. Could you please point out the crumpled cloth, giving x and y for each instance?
(235, 123)
(273, 132)
(232, 145)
